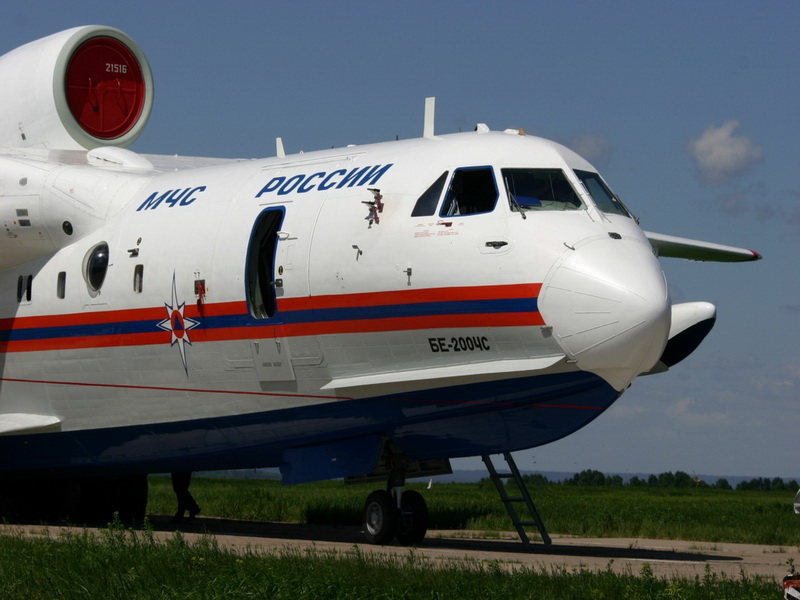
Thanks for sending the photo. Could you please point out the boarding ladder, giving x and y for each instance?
(511, 501)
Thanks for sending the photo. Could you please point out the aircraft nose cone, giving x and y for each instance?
(608, 305)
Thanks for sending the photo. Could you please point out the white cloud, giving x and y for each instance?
(595, 148)
(740, 201)
(720, 155)
(794, 216)
(734, 204)
(683, 412)
(758, 202)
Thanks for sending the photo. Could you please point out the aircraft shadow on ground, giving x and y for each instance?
(348, 534)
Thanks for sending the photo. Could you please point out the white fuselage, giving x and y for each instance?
(369, 302)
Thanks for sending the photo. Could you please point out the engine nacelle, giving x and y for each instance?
(78, 89)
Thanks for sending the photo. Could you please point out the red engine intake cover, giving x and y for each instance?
(105, 88)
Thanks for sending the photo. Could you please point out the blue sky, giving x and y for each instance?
(690, 110)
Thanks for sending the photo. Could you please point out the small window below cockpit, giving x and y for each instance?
(472, 191)
(540, 189)
(429, 200)
(61, 285)
(603, 197)
(24, 288)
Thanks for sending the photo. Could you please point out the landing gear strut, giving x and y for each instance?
(393, 512)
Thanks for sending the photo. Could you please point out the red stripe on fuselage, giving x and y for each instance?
(448, 294)
(94, 317)
(270, 328)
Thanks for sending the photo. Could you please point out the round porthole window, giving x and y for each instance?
(96, 266)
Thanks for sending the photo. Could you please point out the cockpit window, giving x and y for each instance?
(603, 197)
(429, 200)
(472, 191)
(540, 189)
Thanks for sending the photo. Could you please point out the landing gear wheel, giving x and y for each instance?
(413, 522)
(379, 517)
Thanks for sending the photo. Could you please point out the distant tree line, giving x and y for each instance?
(679, 479)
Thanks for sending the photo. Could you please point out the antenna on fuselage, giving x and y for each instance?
(279, 151)
(430, 113)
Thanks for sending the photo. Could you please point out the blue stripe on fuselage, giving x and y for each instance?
(293, 317)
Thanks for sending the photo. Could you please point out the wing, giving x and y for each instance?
(677, 247)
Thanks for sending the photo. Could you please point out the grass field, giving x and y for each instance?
(131, 565)
(706, 514)
(126, 564)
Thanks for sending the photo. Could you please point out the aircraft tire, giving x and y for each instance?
(413, 522)
(379, 518)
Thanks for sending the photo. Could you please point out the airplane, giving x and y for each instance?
(366, 313)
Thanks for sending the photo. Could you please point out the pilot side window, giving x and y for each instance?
(472, 191)
(429, 200)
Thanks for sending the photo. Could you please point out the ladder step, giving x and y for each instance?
(508, 500)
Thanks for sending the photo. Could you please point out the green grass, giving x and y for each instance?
(703, 514)
(125, 564)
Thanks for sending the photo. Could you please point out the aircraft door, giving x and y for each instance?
(264, 287)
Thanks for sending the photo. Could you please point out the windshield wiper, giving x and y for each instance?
(514, 202)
